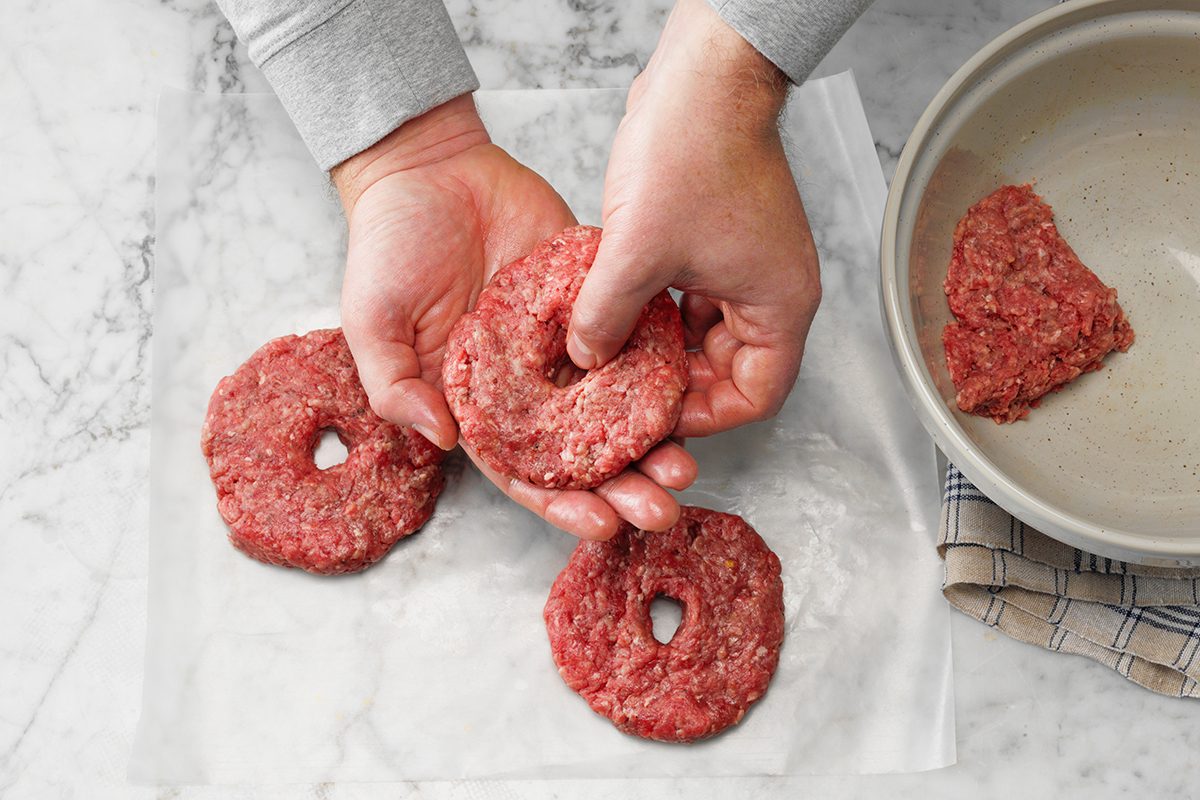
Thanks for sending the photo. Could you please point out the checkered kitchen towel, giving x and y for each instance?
(1144, 622)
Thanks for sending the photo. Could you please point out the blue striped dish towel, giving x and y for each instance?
(1143, 622)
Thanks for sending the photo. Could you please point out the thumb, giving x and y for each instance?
(623, 278)
(390, 372)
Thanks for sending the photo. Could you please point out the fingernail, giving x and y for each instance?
(669, 514)
(580, 353)
(599, 526)
(429, 434)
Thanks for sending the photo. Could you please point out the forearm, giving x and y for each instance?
(794, 34)
(708, 71)
(349, 73)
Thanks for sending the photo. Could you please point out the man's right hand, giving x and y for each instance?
(699, 197)
(434, 210)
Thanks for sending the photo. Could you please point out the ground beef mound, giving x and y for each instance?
(1029, 316)
(263, 423)
(724, 652)
(502, 361)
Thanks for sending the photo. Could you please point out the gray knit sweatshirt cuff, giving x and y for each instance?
(349, 73)
(794, 35)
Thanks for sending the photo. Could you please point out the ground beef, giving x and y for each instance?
(724, 652)
(263, 423)
(502, 360)
(1029, 316)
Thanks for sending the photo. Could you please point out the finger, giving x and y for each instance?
(577, 512)
(699, 315)
(714, 361)
(413, 401)
(390, 373)
(640, 501)
(622, 279)
(742, 383)
(669, 465)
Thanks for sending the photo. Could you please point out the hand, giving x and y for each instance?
(699, 196)
(434, 209)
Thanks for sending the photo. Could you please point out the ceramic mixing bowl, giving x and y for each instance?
(1097, 102)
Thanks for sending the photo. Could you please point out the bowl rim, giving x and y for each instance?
(932, 410)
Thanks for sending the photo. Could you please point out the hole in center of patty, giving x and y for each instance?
(330, 450)
(666, 613)
(565, 374)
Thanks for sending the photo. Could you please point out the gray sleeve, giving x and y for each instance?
(793, 34)
(349, 72)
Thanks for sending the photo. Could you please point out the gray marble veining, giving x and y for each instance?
(78, 86)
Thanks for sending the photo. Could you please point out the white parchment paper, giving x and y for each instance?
(434, 663)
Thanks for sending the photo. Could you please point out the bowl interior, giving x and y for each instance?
(1102, 114)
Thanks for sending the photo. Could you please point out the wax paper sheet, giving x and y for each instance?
(434, 663)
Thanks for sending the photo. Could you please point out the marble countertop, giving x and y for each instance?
(78, 89)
